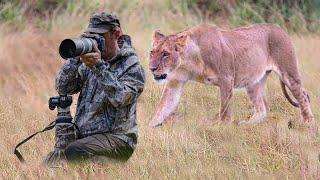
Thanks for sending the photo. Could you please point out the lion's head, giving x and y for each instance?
(165, 54)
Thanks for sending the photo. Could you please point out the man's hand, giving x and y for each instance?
(91, 59)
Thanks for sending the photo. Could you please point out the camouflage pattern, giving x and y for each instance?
(102, 23)
(64, 135)
(108, 94)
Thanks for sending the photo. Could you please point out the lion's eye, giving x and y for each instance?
(166, 54)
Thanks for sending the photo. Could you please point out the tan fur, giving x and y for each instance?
(241, 58)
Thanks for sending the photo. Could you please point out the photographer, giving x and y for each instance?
(109, 83)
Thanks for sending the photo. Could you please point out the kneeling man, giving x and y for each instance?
(109, 84)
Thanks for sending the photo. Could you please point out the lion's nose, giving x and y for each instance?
(153, 69)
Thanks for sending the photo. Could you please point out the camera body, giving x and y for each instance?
(70, 48)
(60, 102)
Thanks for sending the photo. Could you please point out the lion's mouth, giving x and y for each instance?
(160, 77)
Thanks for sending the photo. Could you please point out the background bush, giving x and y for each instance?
(294, 15)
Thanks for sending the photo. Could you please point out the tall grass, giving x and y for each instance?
(186, 149)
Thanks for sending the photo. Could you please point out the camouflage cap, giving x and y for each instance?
(102, 23)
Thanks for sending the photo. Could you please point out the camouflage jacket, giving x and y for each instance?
(108, 93)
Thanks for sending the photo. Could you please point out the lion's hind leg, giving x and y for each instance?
(256, 94)
(295, 86)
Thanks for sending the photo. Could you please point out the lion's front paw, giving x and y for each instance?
(155, 123)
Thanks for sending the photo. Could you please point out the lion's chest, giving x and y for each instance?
(206, 78)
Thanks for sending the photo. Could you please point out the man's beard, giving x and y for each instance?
(113, 52)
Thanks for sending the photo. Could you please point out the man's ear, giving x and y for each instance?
(181, 41)
(157, 36)
(117, 34)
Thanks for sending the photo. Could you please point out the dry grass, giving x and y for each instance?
(187, 149)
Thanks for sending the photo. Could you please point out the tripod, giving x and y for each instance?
(65, 132)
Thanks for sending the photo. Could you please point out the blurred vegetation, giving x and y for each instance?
(15, 13)
(294, 15)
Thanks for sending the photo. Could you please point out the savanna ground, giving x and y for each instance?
(187, 149)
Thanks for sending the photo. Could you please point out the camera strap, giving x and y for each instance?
(18, 154)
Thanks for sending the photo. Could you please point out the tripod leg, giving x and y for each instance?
(64, 135)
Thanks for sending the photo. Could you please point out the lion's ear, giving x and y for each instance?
(181, 41)
(158, 35)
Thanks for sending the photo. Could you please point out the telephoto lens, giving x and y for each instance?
(70, 48)
(75, 47)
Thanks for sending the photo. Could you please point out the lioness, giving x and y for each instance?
(241, 58)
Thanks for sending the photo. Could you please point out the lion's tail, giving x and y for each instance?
(283, 87)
